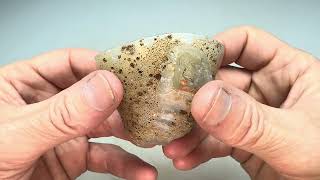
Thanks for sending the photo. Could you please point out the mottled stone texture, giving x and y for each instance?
(160, 75)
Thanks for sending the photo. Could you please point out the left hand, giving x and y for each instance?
(50, 106)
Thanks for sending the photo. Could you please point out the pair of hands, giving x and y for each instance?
(264, 115)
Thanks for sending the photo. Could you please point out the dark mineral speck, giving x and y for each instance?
(157, 76)
(183, 112)
(149, 83)
(128, 48)
(163, 67)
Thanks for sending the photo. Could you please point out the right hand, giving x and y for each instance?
(265, 115)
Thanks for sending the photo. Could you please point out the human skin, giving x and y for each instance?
(264, 115)
(50, 106)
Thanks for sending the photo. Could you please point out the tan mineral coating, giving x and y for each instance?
(139, 65)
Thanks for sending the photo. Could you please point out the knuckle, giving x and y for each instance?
(303, 57)
(217, 83)
(249, 29)
(63, 117)
(250, 129)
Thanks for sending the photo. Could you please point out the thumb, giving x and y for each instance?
(71, 113)
(237, 119)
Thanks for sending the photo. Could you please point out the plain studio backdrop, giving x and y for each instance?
(28, 28)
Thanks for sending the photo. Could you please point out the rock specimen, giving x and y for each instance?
(160, 75)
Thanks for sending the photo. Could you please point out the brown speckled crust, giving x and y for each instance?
(139, 65)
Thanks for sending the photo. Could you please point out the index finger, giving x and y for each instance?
(249, 47)
(64, 67)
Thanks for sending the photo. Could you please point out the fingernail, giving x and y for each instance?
(98, 93)
(220, 106)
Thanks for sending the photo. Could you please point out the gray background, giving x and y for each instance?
(28, 28)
